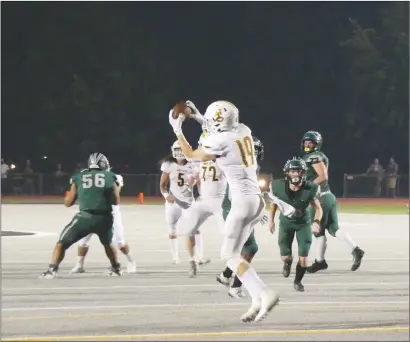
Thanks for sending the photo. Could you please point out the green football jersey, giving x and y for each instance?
(300, 200)
(95, 190)
(314, 158)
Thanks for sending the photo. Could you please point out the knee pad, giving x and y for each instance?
(82, 244)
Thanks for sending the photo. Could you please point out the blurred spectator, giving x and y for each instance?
(59, 180)
(4, 179)
(391, 177)
(29, 178)
(376, 170)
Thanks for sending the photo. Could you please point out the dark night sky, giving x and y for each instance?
(279, 62)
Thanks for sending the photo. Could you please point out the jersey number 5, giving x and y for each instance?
(98, 180)
(246, 150)
(181, 181)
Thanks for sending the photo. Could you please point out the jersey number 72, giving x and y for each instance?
(246, 150)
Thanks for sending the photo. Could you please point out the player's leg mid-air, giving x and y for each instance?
(91, 187)
(317, 172)
(250, 247)
(230, 145)
(299, 193)
(118, 239)
(176, 172)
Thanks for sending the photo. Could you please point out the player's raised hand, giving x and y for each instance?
(176, 123)
(195, 113)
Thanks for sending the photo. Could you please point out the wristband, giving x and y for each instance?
(165, 194)
(316, 221)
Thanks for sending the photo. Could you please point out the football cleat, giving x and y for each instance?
(192, 269)
(236, 292)
(269, 300)
(357, 258)
(223, 280)
(299, 287)
(131, 267)
(317, 266)
(203, 262)
(115, 271)
(78, 269)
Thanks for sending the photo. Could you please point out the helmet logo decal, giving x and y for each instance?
(218, 116)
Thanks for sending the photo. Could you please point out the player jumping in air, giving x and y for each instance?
(317, 172)
(97, 193)
(250, 247)
(230, 144)
(299, 193)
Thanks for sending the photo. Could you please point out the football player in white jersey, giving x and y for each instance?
(177, 172)
(211, 183)
(230, 144)
(118, 239)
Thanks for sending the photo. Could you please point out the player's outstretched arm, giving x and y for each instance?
(69, 200)
(116, 190)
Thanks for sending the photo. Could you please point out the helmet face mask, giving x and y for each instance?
(177, 151)
(295, 171)
(259, 148)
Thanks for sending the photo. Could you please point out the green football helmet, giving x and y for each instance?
(314, 137)
(295, 164)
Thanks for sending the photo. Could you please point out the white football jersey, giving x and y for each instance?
(212, 180)
(237, 159)
(178, 176)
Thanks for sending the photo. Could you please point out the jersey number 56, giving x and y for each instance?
(90, 180)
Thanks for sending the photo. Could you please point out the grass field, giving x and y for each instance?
(346, 205)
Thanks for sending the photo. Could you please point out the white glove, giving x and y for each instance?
(119, 180)
(186, 191)
(264, 219)
(176, 124)
(196, 115)
(286, 209)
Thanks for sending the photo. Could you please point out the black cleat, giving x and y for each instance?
(357, 258)
(317, 266)
(115, 271)
(299, 287)
(286, 268)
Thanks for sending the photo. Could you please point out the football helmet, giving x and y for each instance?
(98, 161)
(221, 116)
(177, 151)
(298, 165)
(314, 137)
(259, 148)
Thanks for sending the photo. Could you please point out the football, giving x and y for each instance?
(181, 108)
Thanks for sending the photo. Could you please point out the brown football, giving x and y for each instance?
(180, 108)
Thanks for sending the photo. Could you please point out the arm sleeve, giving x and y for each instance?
(166, 167)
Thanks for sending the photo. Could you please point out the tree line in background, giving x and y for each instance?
(76, 81)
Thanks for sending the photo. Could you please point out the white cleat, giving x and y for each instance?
(78, 269)
(176, 261)
(131, 267)
(236, 292)
(223, 280)
(203, 262)
(269, 300)
(252, 312)
(48, 275)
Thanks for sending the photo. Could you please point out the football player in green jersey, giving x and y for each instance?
(299, 193)
(97, 192)
(250, 247)
(317, 172)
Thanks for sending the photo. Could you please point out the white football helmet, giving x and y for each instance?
(221, 116)
(177, 151)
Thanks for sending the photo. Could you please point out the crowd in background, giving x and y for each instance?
(25, 181)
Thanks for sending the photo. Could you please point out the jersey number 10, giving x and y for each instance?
(246, 150)
(89, 181)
